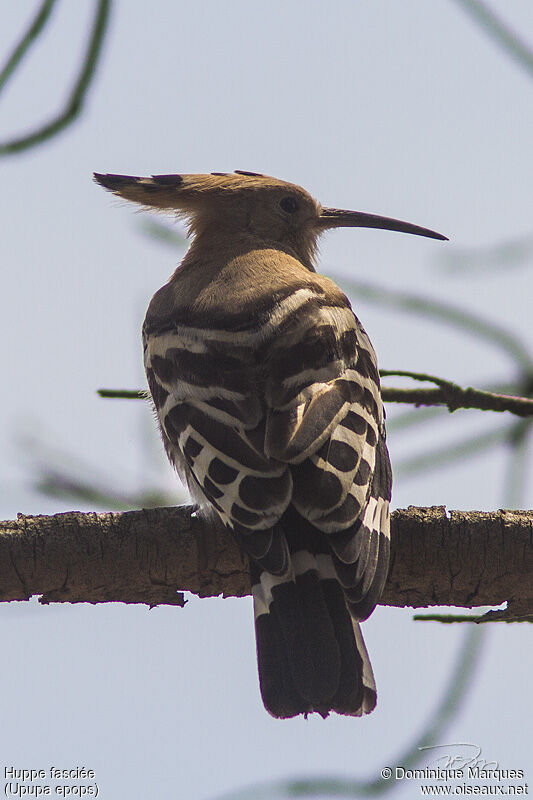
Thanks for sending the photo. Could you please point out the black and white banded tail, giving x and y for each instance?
(310, 651)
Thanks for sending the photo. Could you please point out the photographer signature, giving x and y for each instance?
(459, 755)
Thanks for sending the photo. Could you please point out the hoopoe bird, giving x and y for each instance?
(267, 393)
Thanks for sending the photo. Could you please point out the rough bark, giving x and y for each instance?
(459, 558)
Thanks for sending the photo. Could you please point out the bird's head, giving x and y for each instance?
(228, 204)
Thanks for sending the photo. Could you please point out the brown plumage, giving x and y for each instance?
(267, 393)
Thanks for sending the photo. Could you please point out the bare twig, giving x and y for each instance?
(78, 94)
(124, 394)
(448, 394)
(490, 616)
(454, 396)
(500, 32)
(36, 27)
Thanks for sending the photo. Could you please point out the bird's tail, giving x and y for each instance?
(311, 654)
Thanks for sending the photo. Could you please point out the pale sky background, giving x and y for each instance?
(402, 108)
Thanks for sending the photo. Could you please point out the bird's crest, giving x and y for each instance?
(177, 191)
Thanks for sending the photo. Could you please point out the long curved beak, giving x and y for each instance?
(337, 218)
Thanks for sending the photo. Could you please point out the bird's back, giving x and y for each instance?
(267, 393)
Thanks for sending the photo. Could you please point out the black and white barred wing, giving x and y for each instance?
(206, 391)
(258, 419)
(326, 421)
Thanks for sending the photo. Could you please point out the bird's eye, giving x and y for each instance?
(289, 204)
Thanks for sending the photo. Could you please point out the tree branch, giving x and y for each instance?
(460, 558)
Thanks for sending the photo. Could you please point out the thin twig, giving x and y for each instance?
(412, 417)
(490, 616)
(454, 396)
(29, 38)
(78, 94)
(449, 394)
(500, 32)
(124, 394)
